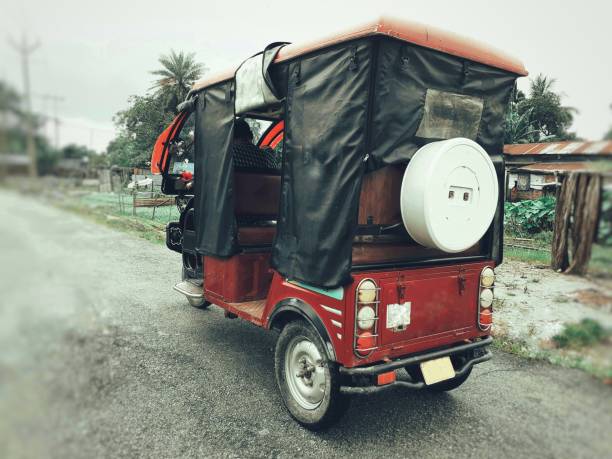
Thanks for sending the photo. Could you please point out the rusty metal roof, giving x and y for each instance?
(603, 147)
(560, 167)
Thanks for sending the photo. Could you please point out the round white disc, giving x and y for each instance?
(449, 194)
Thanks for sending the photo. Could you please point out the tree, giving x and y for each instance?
(147, 116)
(608, 135)
(539, 117)
(139, 126)
(178, 72)
(74, 151)
(518, 126)
(13, 132)
(546, 113)
(10, 101)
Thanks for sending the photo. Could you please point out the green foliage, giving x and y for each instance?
(74, 151)
(540, 117)
(10, 101)
(604, 234)
(147, 116)
(177, 73)
(547, 115)
(139, 126)
(576, 335)
(531, 216)
(518, 128)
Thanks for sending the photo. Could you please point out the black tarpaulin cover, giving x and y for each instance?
(404, 75)
(214, 175)
(349, 109)
(325, 134)
(338, 113)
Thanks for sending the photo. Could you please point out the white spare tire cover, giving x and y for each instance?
(449, 194)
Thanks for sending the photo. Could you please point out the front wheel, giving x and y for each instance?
(308, 382)
(199, 303)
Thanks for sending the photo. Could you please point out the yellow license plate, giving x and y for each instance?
(437, 370)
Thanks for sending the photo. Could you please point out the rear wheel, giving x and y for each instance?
(308, 382)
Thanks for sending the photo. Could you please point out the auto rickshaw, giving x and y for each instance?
(359, 213)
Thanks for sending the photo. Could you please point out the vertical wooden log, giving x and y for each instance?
(584, 228)
(560, 244)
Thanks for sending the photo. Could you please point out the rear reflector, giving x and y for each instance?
(386, 378)
(486, 317)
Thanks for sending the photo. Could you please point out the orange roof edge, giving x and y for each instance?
(409, 31)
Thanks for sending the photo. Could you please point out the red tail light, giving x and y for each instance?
(485, 299)
(366, 317)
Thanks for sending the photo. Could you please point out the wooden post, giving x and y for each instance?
(565, 198)
(576, 217)
(584, 226)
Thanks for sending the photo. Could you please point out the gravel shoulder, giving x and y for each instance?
(102, 359)
(533, 304)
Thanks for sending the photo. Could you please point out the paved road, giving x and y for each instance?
(100, 358)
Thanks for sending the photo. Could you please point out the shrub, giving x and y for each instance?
(584, 333)
(604, 235)
(531, 216)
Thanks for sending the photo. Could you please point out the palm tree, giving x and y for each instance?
(548, 115)
(518, 128)
(178, 72)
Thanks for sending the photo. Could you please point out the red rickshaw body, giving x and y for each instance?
(307, 230)
(444, 305)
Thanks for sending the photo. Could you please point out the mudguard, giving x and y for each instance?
(300, 307)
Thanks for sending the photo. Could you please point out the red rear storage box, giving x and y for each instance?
(243, 277)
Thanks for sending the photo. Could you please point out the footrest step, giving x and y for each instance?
(189, 289)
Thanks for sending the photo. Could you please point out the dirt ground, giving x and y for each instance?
(533, 303)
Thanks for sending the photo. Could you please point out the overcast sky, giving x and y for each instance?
(96, 54)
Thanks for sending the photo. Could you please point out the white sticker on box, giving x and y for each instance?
(398, 315)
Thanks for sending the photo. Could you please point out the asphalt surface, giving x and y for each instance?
(101, 358)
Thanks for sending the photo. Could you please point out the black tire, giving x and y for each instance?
(450, 384)
(333, 403)
(198, 304)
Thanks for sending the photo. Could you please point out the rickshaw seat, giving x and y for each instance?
(256, 198)
(256, 235)
(256, 194)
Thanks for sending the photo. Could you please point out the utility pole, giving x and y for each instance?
(24, 48)
(55, 100)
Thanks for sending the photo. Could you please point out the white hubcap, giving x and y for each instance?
(305, 373)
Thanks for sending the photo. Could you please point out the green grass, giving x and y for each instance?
(601, 260)
(527, 255)
(560, 357)
(587, 332)
(601, 257)
(109, 203)
(104, 208)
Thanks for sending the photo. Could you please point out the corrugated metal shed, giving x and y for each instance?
(603, 147)
(551, 168)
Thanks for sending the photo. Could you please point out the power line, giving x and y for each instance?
(25, 49)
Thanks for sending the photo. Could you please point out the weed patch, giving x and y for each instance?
(587, 332)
